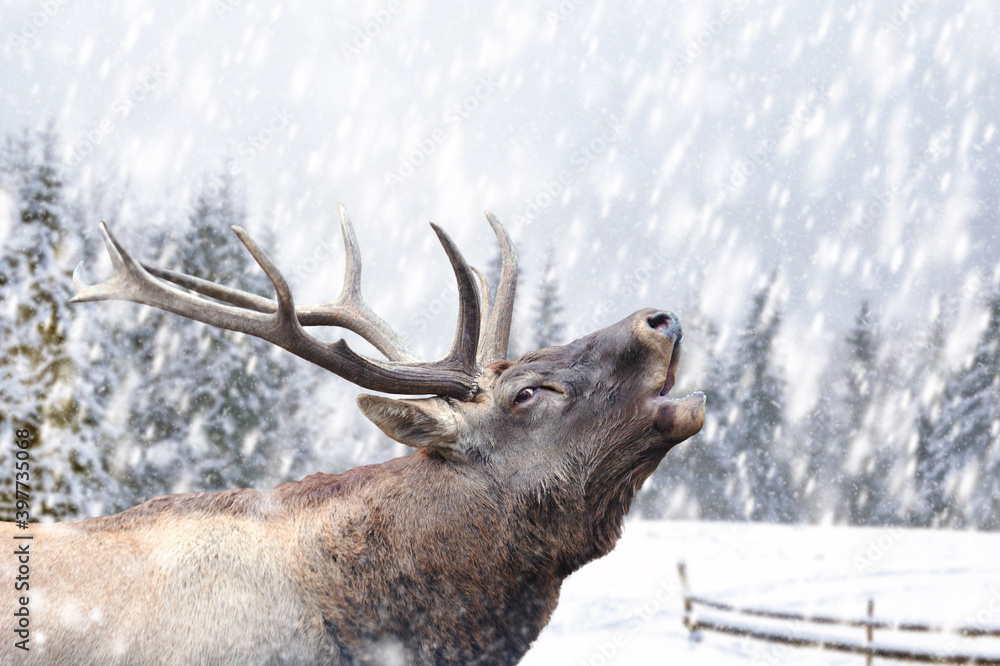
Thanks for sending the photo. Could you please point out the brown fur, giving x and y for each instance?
(452, 555)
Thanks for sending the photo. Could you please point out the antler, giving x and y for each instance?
(495, 336)
(281, 323)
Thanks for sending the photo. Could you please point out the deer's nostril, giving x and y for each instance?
(661, 322)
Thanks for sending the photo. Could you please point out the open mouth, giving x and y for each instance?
(678, 418)
(675, 359)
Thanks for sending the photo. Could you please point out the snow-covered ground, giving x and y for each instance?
(627, 608)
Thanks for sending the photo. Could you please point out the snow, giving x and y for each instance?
(846, 100)
(627, 607)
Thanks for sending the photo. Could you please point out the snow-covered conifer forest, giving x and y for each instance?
(131, 403)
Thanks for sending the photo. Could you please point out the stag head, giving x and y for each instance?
(570, 432)
(573, 429)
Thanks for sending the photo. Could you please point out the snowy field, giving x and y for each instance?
(627, 608)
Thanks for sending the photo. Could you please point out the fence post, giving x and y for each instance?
(870, 630)
(682, 571)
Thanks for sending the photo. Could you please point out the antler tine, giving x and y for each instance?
(463, 348)
(348, 311)
(451, 376)
(219, 292)
(131, 282)
(485, 304)
(496, 335)
(441, 377)
(363, 319)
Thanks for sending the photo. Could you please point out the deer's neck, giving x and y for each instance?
(424, 556)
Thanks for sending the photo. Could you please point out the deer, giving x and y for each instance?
(521, 472)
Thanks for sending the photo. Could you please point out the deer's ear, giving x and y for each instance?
(422, 423)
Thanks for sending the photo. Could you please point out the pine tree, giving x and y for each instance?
(821, 481)
(38, 369)
(213, 408)
(983, 509)
(548, 328)
(958, 470)
(921, 386)
(749, 449)
(854, 448)
(867, 475)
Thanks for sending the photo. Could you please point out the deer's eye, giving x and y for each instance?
(524, 395)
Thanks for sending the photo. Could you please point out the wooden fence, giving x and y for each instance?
(867, 647)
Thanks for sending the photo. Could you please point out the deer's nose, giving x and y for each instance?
(665, 323)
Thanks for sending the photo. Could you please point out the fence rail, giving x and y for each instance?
(867, 648)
